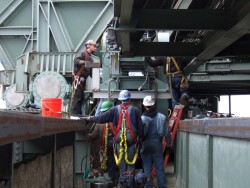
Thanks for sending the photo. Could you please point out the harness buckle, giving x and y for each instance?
(76, 81)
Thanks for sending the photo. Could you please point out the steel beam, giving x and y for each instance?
(98, 26)
(220, 66)
(178, 19)
(59, 31)
(10, 9)
(214, 43)
(5, 58)
(237, 49)
(125, 13)
(166, 49)
(203, 77)
(134, 94)
(15, 30)
(18, 126)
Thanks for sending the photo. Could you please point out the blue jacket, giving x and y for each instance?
(112, 115)
(154, 130)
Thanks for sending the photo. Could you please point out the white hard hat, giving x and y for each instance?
(148, 101)
(89, 42)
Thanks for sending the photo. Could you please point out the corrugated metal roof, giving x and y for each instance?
(3, 5)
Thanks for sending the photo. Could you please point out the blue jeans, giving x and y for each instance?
(148, 160)
(177, 91)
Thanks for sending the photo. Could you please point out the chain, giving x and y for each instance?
(105, 154)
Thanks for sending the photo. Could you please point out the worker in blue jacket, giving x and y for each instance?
(173, 68)
(129, 129)
(155, 128)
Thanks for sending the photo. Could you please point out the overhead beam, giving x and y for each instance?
(166, 49)
(218, 41)
(177, 19)
(126, 11)
(117, 8)
(237, 49)
(124, 8)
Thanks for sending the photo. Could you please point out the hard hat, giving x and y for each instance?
(148, 101)
(106, 105)
(90, 42)
(123, 95)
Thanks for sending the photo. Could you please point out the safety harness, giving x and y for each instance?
(76, 81)
(184, 80)
(124, 112)
(168, 72)
(123, 120)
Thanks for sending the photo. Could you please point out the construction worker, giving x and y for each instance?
(129, 129)
(151, 151)
(80, 74)
(106, 133)
(174, 71)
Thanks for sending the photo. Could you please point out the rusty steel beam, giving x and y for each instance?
(224, 127)
(18, 126)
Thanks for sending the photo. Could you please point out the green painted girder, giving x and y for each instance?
(219, 66)
(50, 26)
(204, 77)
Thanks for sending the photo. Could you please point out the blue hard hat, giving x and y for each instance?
(123, 95)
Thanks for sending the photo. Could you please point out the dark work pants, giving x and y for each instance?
(78, 100)
(177, 91)
(111, 166)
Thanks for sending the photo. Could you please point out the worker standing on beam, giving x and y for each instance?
(80, 74)
(129, 130)
(174, 71)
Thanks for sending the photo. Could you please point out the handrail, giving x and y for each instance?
(112, 80)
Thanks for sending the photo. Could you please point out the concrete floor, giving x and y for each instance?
(171, 177)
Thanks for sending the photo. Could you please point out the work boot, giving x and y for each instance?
(184, 99)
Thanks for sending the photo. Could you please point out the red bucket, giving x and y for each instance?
(52, 107)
